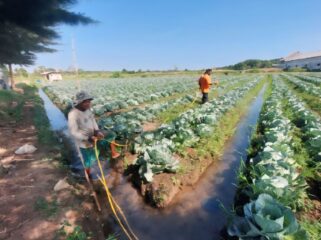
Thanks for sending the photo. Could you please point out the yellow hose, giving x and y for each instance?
(111, 200)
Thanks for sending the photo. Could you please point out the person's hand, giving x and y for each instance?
(99, 135)
(92, 139)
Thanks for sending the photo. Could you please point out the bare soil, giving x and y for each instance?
(27, 178)
(150, 126)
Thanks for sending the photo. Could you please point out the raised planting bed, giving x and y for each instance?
(272, 186)
(177, 154)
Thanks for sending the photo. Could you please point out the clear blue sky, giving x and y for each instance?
(193, 34)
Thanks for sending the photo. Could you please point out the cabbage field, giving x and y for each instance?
(171, 139)
(285, 158)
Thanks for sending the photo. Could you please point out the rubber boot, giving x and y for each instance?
(114, 153)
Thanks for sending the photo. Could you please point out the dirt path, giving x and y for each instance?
(29, 207)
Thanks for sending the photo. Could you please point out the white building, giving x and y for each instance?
(309, 60)
(52, 76)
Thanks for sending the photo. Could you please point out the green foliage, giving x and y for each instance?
(48, 208)
(77, 234)
(314, 102)
(226, 126)
(254, 70)
(11, 105)
(44, 132)
(253, 64)
(279, 188)
(115, 75)
(29, 27)
(313, 228)
(173, 112)
(41, 122)
(273, 169)
(195, 128)
(297, 69)
(21, 71)
(111, 237)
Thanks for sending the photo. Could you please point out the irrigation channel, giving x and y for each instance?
(195, 213)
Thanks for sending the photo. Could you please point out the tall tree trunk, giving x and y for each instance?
(11, 76)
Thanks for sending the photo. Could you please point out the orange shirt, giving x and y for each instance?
(205, 83)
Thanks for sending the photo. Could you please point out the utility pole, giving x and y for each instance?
(74, 61)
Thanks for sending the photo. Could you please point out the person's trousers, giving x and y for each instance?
(89, 154)
(204, 98)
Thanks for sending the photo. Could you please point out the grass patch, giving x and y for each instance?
(11, 104)
(44, 133)
(313, 102)
(48, 208)
(172, 113)
(313, 228)
(11, 109)
(214, 144)
(310, 168)
(301, 154)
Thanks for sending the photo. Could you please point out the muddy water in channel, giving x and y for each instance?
(195, 212)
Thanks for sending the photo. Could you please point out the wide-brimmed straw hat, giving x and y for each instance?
(82, 96)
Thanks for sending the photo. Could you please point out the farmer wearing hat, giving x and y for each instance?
(205, 83)
(83, 127)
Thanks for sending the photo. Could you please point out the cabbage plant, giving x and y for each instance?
(156, 159)
(266, 219)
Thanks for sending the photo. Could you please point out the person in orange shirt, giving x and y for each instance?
(205, 83)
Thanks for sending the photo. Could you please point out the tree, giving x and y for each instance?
(28, 27)
(18, 46)
(39, 69)
(253, 63)
(21, 71)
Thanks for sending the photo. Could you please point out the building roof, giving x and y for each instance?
(50, 72)
(299, 55)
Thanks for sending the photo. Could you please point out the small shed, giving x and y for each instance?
(52, 76)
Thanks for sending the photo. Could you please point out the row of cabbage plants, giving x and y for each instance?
(310, 125)
(126, 124)
(117, 94)
(156, 149)
(312, 79)
(114, 94)
(272, 180)
(304, 86)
